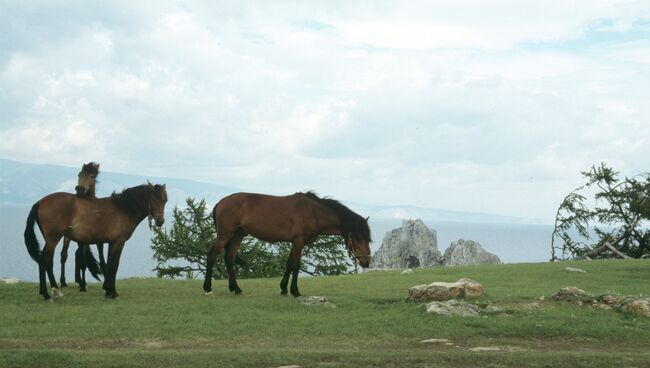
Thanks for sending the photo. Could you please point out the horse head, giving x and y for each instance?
(87, 180)
(358, 243)
(157, 201)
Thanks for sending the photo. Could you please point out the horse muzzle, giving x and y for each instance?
(364, 261)
(160, 222)
(80, 190)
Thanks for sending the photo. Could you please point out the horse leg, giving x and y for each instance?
(293, 267)
(114, 253)
(42, 283)
(64, 259)
(48, 252)
(80, 267)
(102, 260)
(229, 257)
(213, 253)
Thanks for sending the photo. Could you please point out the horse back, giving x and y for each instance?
(271, 218)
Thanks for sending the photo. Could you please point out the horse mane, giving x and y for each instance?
(91, 168)
(351, 222)
(134, 199)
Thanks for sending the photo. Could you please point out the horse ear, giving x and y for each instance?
(148, 182)
(367, 218)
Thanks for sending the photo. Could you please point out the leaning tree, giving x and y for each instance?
(607, 217)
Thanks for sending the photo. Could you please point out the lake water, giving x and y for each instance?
(513, 243)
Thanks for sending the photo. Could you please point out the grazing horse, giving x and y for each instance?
(298, 218)
(83, 256)
(91, 220)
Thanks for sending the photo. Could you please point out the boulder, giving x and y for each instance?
(446, 290)
(453, 308)
(634, 305)
(573, 295)
(628, 304)
(412, 245)
(467, 252)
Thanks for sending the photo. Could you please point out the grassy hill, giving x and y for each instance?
(170, 323)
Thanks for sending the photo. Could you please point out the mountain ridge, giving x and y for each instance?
(22, 184)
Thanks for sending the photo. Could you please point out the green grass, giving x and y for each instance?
(170, 323)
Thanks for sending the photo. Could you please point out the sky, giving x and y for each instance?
(482, 106)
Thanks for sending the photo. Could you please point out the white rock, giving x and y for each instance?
(435, 341)
(573, 269)
(315, 300)
(446, 290)
(406, 271)
(453, 308)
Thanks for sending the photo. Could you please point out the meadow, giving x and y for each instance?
(158, 322)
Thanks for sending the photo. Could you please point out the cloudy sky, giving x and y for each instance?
(491, 106)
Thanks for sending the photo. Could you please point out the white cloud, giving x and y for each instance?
(455, 105)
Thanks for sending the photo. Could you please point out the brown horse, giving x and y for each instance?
(83, 256)
(91, 220)
(298, 218)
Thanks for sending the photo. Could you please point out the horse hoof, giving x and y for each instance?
(208, 293)
(238, 292)
(56, 293)
(63, 284)
(82, 290)
(283, 293)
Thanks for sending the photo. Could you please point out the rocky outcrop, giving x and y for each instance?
(628, 304)
(467, 252)
(412, 245)
(438, 291)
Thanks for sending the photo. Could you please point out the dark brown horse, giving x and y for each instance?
(298, 218)
(83, 256)
(109, 220)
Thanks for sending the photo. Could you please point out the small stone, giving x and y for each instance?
(453, 308)
(533, 305)
(610, 300)
(573, 269)
(315, 300)
(435, 341)
(406, 271)
(485, 348)
(492, 309)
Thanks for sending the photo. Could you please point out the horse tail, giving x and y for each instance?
(92, 264)
(31, 242)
